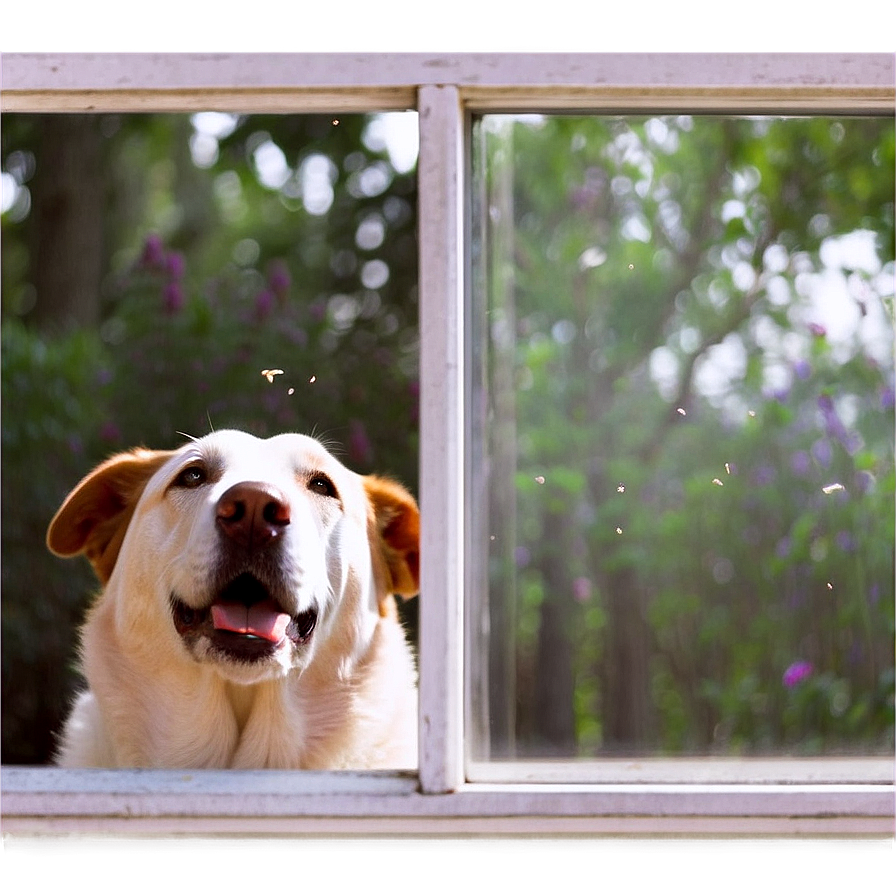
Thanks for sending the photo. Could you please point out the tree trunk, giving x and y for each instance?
(627, 712)
(555, 723)
(67, 213)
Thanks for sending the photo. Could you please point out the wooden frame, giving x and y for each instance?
(284, 82)
(849, 798)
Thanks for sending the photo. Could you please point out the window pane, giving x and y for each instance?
(681, 486)
(153, 266)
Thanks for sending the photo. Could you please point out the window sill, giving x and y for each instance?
(150, 802)
(693, 770)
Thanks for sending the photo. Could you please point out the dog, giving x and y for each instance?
(247, 616)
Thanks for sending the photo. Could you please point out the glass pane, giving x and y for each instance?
(153, 267)
(682, 417)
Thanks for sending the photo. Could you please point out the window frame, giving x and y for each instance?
(830, 797)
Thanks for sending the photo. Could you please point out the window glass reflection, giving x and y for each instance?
(681, 487)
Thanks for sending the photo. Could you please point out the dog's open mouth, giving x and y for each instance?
(244, 621)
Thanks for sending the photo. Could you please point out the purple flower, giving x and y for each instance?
(887, 399)
(175, 265)
(796, 672)
(153, 252)
(802, 369)
(800, 463)
(851, 441)
(174, 298)
(823, 453)
(279, 279)
(845, 541)
(832, 423)
(264, 302)
(817, 330)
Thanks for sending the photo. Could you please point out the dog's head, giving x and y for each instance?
(248, 554)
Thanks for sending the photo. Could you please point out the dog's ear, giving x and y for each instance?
(94, 517)
(397, 522)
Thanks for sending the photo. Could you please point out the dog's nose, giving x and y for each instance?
(253, 514)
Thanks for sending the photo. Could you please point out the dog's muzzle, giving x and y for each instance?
(246, 621)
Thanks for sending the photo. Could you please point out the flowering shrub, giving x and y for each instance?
(796, 672)
(698, 548)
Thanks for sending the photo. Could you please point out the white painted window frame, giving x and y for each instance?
(448, 794)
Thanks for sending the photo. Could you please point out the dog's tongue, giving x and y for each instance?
(264, 619)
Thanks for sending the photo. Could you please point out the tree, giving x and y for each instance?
(665, 297)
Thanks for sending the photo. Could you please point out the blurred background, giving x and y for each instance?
(682, 425)
(153, 266)
(681, 397)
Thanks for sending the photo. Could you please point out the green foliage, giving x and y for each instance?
(45, 452)
(201, 356)
(722, 463)
(702, 473)
(216, 272)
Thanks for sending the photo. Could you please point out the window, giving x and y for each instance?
(179, 256)
(856, 797)
(682, 416)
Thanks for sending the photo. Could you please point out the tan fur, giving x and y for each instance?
(345, 699)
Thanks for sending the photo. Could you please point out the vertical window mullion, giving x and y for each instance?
(440, 186)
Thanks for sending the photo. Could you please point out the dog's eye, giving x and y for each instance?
(191, 477)
(322, 485)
